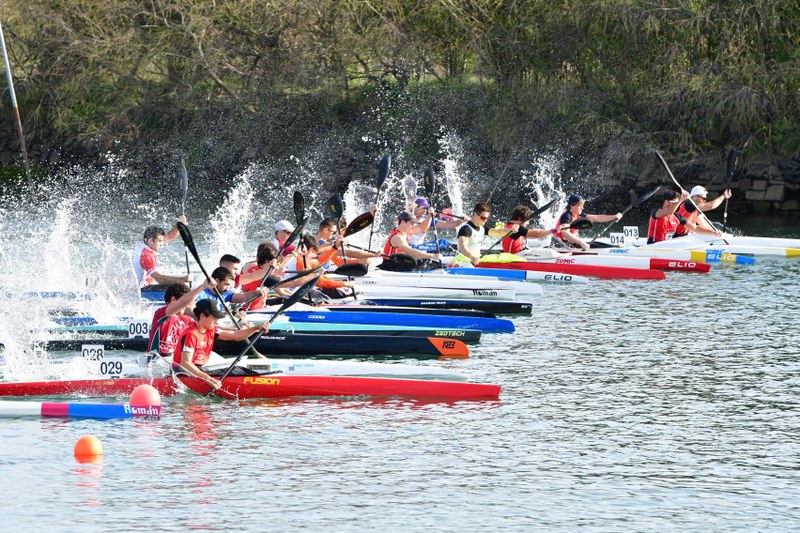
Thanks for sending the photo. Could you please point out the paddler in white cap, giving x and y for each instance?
(698, 197)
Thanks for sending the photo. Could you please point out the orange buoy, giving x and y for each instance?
(145, 402)
(88, 448)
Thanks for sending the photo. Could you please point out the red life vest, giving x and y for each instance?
(388, 249)
(691, 216)
(661, 229)
(513, 245)
(557, 231)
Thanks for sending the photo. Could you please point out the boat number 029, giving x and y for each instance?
(97, 353)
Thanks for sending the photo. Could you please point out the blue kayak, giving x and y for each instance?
(499, 273)
(487, 325)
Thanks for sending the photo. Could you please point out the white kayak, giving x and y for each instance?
(377, 291)
(730, 245)
(437, 280)
(548, 255)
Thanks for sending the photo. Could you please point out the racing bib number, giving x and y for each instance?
(617, 239)
(631, 233)
(110, 368)
(93, 352)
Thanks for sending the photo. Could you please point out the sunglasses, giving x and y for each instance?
(484, 217)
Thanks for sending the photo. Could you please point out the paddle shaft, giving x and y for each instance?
(640, 200)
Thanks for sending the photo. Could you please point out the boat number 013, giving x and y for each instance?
(96, 353)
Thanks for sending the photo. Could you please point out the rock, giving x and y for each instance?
(759, 185)
(774, 193)
(745, 184)
(790, 205)
(756, 196)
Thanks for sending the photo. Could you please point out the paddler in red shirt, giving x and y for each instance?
(171, 321)
(517, 241)
(664, 220)
(145, 257)
(565, 234)
(197, 342)
(688, 210)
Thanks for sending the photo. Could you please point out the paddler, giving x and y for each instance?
(688, 210)
(171, 320)
(664, 220)
(283, 228)
(327, 237)
(266, 257)
(425, 217)
(516, 242)
(472, 232)
(308, 257)
(197, 342)
(224, 283)
(567, 236)
(397, 243)
(145, 257)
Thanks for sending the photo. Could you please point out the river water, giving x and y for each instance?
(627, 406)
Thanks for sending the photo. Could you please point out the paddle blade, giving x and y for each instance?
(544, 208)
(581, 223)
(383, 169)
(335, 206)
(362, 221)
(183, 186)
(430, 183)
(294, 298)
(646, 196)
(299, 204)
(186, 237)
(352, 270)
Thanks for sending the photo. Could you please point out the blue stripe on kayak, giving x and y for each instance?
(500, 273)
(488, 325)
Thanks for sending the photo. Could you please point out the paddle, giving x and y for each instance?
(682, 189)
(383, 173)
(336, 210)
(183, 189)
(640, 200)
(293, 299)
(430, 188)
(359, 223)
(534, 213)
(734, 160)
(299, 206)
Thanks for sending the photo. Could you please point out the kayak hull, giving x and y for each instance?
(602, 272)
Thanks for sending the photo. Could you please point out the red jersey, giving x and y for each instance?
(661, 229)
(199, 345)
(388, 249)
(565, 219)
(145, 262)
(169, 330)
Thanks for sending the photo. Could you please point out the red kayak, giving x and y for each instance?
(604, 272)
(270, 386)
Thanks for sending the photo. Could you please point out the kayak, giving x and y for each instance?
(486, 325)
(445, 281)
(254, 387)
(589, 258)
(306, 344)
(269, 386)
(703, 255)
(499, 307)
(387, 291)
(603, 272)
(520, 275)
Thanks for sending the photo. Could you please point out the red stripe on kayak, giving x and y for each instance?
(277, 386)
(59, 410)
(450, 348)
(677, 264)
(604, 272)
(87, 387)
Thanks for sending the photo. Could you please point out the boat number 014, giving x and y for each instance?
(97, 354)
(138, 328)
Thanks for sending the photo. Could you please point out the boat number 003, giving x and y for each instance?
(138, 328)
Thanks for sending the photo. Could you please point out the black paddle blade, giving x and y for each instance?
(383, 169)
(581, 223)
(186, 236)
(538, 211)
(299, 203)
(646, 196)
(336, 206)
(402, 259)
(430, 183)
(294, 298)
(352, 270)
(183, 186)
(359, 223)
(293, 236)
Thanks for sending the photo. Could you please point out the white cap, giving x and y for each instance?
(284, 225)
(699, 190)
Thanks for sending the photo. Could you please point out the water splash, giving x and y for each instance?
(230, 222)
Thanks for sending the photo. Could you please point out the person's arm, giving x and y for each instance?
(190, 367)
(673, 206)
(537, 233)
(450, 224)
(174, 232)
(239, 297)
(242, 334)
(604, 218)
(716, 202)
(189, 297)
(574, 239)
(423, 226)
(399, 242)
